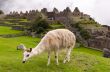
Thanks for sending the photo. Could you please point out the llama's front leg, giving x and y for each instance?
(48, 59)
(56, 57)
(67, 57)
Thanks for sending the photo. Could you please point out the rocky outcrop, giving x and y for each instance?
(100, 38)
(18, 28)
(106, 53)
(99, 42)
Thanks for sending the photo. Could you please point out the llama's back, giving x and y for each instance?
(59, 38)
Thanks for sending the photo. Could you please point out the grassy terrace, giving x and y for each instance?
(82, 59)
(7, 30)
(56, 26)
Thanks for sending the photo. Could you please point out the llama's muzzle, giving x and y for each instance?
(23, 61)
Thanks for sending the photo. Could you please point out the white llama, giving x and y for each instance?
(54, 40)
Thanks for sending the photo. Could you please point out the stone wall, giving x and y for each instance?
(99, 43)
(32, 14)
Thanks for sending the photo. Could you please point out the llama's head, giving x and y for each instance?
(27, 54)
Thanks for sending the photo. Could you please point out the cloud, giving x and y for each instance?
(17, 5)
(2, 2)
(98, 9)
(101, 11)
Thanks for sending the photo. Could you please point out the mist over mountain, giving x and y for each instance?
(9, 5)
(98, 9)
(2, 3)
(101, 11)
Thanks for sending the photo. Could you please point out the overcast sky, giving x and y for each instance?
(98, 9)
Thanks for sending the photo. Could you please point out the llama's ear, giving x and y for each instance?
(30, 49)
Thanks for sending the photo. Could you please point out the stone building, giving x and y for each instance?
(53, 15)
(55, 10)
(44, 10)
(76, 12)
(27, 15)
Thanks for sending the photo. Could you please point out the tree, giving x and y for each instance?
(39, 26)
(1, 12)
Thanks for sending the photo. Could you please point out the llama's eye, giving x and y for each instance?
(27, 55)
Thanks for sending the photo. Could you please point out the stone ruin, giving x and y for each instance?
(53, 15)
(100, 37)
(27, 15)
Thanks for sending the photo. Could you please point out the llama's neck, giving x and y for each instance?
(38, 49)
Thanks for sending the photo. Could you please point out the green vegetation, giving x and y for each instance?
(87, 22)
(11, 19)
(7, 22)
(18, 25)
(84, 33)
(40, 26)
(24, 20)
(7, 30)
(56, 26)
(12, 22)
(82, 59)
(1, 12)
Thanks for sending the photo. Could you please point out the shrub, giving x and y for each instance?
(85, 34)
(1, 12)
(77, 25)
(39, 26)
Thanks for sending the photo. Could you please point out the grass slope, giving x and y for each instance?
(82, 59)
(7, 30)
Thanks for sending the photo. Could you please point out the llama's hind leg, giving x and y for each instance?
(67, 57)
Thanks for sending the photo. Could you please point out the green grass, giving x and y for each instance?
(6, 22)
(82, 59)
(7, 30)
(24, 20)
(56, 26)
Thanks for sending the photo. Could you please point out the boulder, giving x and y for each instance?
(21, 47)
(18, 28)
(106, 53)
